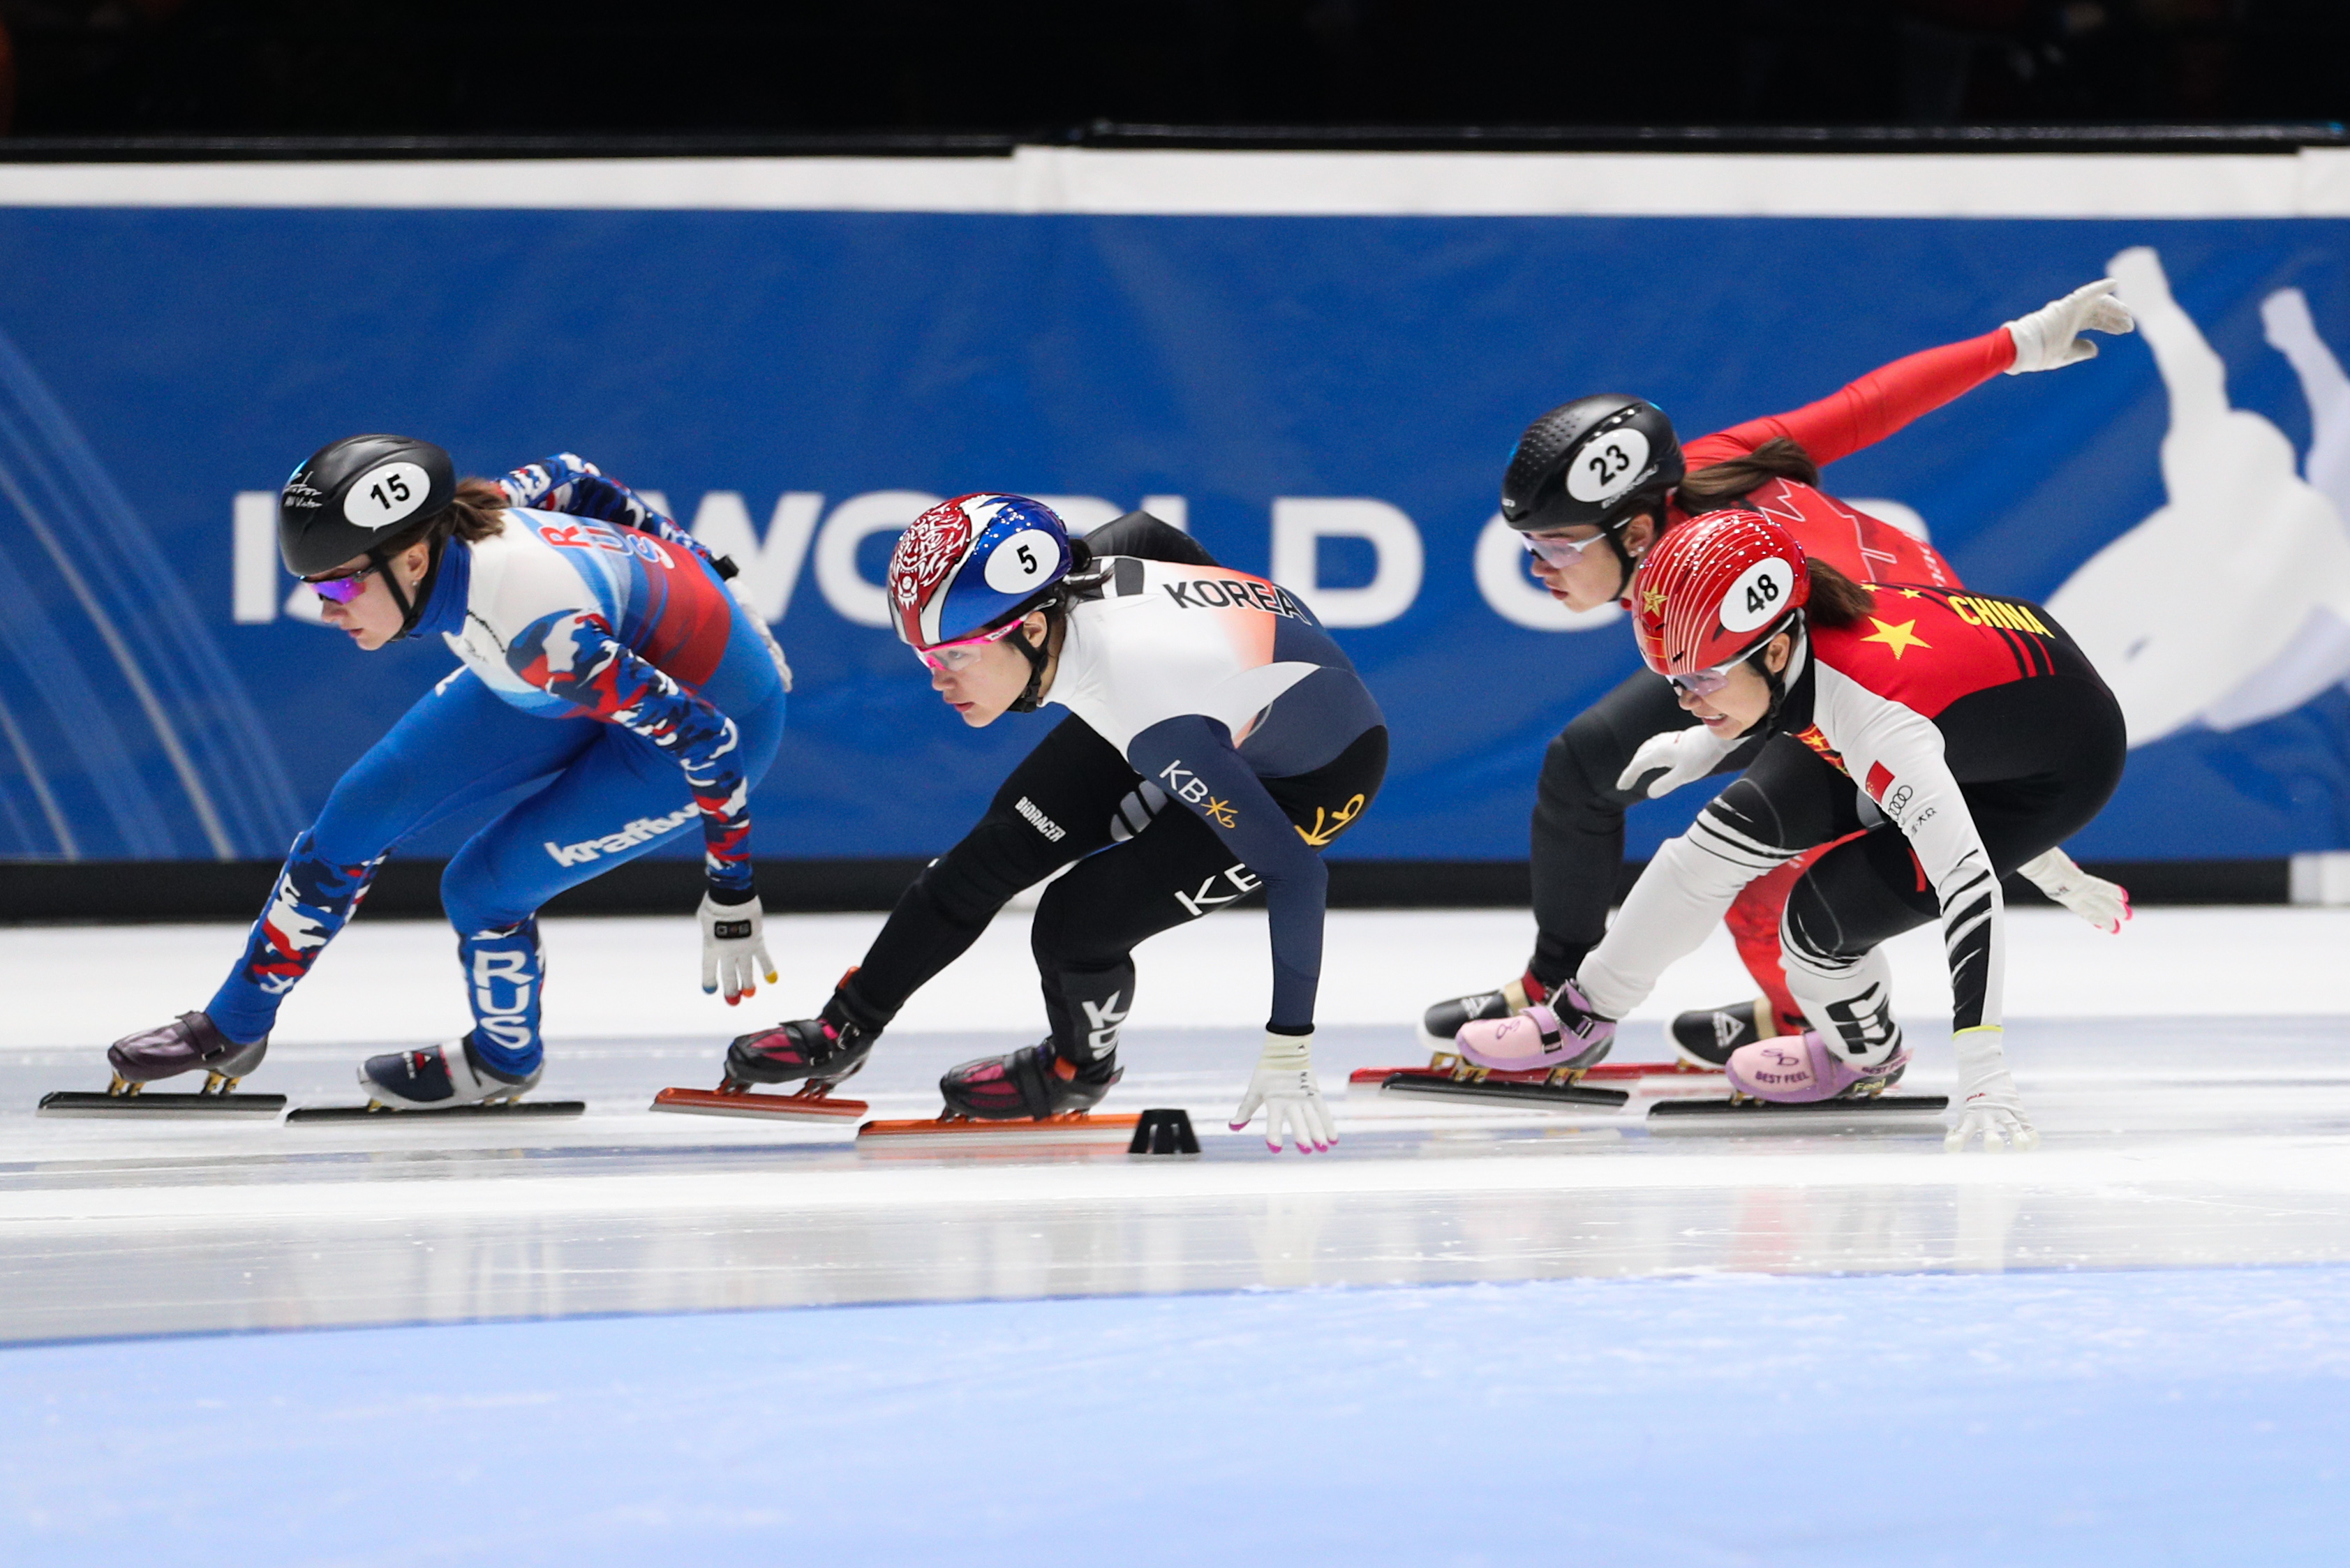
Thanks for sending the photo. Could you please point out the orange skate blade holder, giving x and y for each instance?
(810, 1104)
(1077, 1130)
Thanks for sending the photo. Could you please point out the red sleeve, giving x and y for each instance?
(1872, 408)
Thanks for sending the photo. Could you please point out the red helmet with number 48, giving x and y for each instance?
(1715, 589)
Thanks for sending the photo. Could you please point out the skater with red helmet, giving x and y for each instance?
(1935, 740)
(1592, 487)
(1217, 742)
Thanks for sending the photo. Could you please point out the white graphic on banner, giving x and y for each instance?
(2230, 603)
(1301, 522)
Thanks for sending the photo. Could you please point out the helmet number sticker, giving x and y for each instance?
(1759, 595)
(1021, 564)
(1607, 466)
(386, 494)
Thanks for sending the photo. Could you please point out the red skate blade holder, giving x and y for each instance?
(807, 1105)
(1077, 1130)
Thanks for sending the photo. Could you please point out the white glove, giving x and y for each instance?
(1666, 762)
(2105, 905)
(1292, 1104)
(1989, 1106)
(2050, 338)
(733, 949)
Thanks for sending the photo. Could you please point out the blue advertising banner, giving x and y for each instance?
(1327, 398)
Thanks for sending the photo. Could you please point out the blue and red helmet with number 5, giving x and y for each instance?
(969, 565)
(1715, 589)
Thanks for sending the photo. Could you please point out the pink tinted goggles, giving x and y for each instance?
(963, 652)
(1705, 682)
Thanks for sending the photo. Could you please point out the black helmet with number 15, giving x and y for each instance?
(1594, 460)
(357, 494)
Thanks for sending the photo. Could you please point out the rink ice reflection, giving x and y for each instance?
(2154, 1158)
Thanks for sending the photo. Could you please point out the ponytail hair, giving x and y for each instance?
(1730, 482)
(1836, 599)
(475, 512)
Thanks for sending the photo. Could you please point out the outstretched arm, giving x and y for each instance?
(1887, 399)
(569, 484)
(1870, 410)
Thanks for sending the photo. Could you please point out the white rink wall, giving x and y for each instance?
(395, 981)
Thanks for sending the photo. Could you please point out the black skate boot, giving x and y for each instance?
(1031, 1082)
(1707, 1036)
(440, 1078)
(188, 1042)
(1440, 1023)
(824, 1050)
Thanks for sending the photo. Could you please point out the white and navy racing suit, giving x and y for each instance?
(1218, 740)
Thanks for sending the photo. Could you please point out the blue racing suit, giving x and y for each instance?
(605, 660)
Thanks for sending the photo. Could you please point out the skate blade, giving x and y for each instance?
(1079, 1130)
(82, 1103)
(1811, 1116)
(539, 1110)
(1495, 1088)
(759, 1107)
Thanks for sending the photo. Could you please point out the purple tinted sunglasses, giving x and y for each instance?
(342, 590)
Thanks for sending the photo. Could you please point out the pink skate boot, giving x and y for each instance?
(1800, 1067)
(1565, 1033)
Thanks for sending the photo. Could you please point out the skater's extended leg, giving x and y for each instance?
(1060, 803)
(1578, 841)
(458, 746)
(1175, 870)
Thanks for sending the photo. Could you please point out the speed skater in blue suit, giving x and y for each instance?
(602, 659)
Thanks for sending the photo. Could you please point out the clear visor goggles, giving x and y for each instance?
(1706, 682)
(963, 652)
(1559, 552)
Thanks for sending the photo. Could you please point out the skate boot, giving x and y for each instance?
(1794, 1069)
(1564, 1034)
(1031, 1082)
(440, 1078)
(824, 1050)
(1707, 1036)
(1442, 1022)
(188, 1042)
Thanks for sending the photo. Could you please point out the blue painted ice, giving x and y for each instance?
(2171, 1416)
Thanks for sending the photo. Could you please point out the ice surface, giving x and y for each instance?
(2196, 1416)
(1793, 1347)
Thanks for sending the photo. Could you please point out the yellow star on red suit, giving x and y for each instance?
(1910, 594)
(1900, 638)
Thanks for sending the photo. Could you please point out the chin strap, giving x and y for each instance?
(411, 610)
(1032, 695)
(1777, 679)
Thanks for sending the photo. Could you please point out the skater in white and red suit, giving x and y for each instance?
(1935, 740)
(1592, 487)
(1217, 742)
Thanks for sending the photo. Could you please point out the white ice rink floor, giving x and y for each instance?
(2131, 1346)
